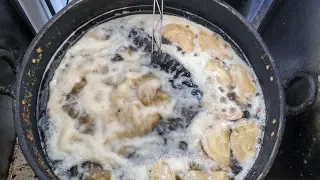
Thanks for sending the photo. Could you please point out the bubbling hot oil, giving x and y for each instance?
(81, 115)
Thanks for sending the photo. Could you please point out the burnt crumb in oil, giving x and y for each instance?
(186, 74)
(117, 58)
(183, 145)
(179, 48)
(195, 54)
(160, 131)
(176, 123)
(134, 32)
(189, 83)
(249, 105)
(78, 86)
(165, 141)
(165, 40)
(141, 39)
(165, 62)
(169, 64)
(70, 110)
(232, 96)
(162, 127)
(246, 114)
(217, 58)
(90, 165)
(197, 93)
(73, 171)
(135, 156)
(189, 114)
(175, 86)
(88, 130)
(235, 167)
(109, 33)
(257, 94)
(221, 89)
(195, 166)
(130, 154)
(85, 119)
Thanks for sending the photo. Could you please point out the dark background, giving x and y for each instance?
(293, 38)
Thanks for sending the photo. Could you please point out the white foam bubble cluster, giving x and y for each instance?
(94, 57)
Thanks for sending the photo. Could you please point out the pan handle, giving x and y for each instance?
(8, 87)
(309, 84)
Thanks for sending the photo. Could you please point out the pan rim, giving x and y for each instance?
(18, 87)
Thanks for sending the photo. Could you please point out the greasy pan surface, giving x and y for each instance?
(232, 26)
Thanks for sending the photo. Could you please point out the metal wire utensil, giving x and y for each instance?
(157, 25)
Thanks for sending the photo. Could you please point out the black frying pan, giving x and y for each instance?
(217, 16)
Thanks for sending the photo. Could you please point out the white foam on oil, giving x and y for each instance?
(91, 58)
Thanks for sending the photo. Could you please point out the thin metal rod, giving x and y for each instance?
(161, 22)
(157, 25)
(153, 19)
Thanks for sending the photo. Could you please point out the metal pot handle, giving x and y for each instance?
(311, 87)
(8, 57)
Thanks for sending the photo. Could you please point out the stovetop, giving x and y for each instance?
(290, 29)
(293, 38)
(14, 38)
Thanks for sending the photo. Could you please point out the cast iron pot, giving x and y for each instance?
(51, 43)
